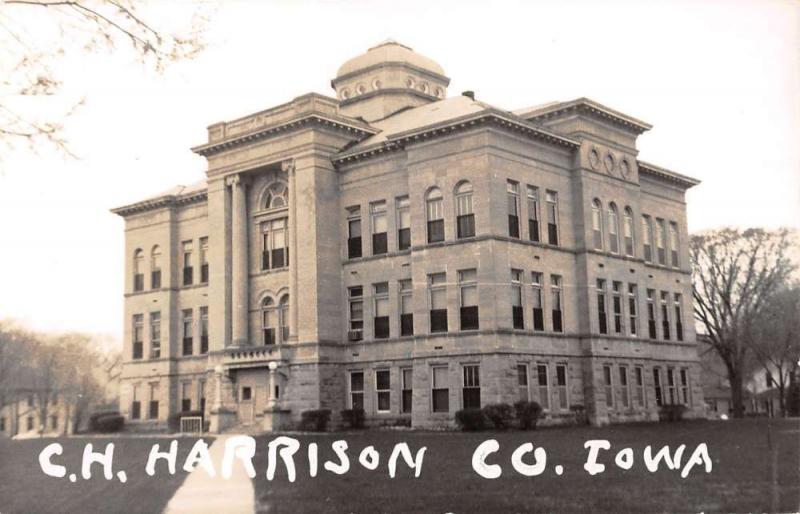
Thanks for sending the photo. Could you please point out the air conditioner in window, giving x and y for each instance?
(354, 335)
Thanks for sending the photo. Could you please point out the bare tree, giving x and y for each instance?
(775, 338)
(35, 35)
(734, 274)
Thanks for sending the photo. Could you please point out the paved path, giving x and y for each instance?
(201, 493)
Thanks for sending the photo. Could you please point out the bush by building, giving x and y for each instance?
(315, 420)
(501, 415)
(106, 422)
(471, 420)
(527, 414)
(353, 418)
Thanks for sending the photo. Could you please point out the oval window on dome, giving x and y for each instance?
(345, 94)
(438, 92)
(376, 84)
(424, 87)
(410, 82)
(360, 89)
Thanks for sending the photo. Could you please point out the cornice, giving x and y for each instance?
(357, 129)
(166, 201)
(667, 175)
(385, 64)
(487, 117)
(590, 108)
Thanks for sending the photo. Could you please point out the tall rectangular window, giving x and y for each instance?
(407, 397)
(513, 208)
(155, 335)
(383, 389)
(274, 244)
(381, 306)
(138, 271)
(678, 316)
(543, 384)
(661, 242)
(153, 410)
(465, 218)
(468, 299)
(353, 232)
(608, 386)
(597, 225)
(665, 315)
(561, 386)
(537, 300)
(657, 386)
(356, 313)
(651, 313)
(136, 403)
(633, 309)
(187, 332)
(613, 228)
(533, 213)
(647, 237)
(204, 260)
(673, 243)
(137, 336)
(523, 394)
(203, 329)
(201, 393)
(685, 398)
(357, 390)
(440, 390)
(672, 396)
(406, 308)
(555, 302)
(552, 217)
(627, 231)
(624, 387)
(616, 306)
(638, 372)
(377, 213)
(403, 223)
(602, 313)
(437, 292)
(472, 387)
(186, 396)
(155, 268)
(434, 212)
(188, 269)
(516, 299)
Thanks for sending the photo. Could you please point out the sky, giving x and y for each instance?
(719, 81)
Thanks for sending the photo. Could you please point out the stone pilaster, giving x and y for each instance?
(289, 168)
(240, 270)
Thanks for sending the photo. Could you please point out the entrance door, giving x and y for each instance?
(247, 402)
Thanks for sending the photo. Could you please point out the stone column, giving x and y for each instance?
(239, 263)
(289, 168)
(272, 401)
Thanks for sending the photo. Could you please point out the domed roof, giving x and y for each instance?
(389, 51)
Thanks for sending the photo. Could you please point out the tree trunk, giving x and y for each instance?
(737, 397)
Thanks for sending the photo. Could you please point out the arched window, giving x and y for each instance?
(138, 270)
(283, 312)
(155, 268)
(627, 231)
(465, 218)
(597, 224)
(268, 321)
(434, 209)
(276, 196)
(613, 228)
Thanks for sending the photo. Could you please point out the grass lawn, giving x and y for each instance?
(24, 488)
(741, 479)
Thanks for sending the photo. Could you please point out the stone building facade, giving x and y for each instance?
(413, 254)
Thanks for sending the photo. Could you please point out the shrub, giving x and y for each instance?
(174, 420)
(527, 414)
(353, 418)
(579, 411)
(106, 422)
(315, 420)
(471, 420)
(500, 414)
(672, 412)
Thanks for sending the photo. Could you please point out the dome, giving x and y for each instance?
(389, 51)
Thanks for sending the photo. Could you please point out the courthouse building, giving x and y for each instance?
(411, 253)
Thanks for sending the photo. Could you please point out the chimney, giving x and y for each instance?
(469, 94)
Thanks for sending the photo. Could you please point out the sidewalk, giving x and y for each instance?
(201, 493)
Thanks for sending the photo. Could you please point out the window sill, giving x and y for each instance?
(271, 271)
